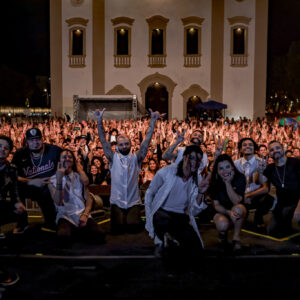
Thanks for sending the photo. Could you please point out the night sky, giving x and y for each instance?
(25, 46)
(26, 43)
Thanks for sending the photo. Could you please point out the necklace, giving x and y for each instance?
(282, 182)
(40, 160)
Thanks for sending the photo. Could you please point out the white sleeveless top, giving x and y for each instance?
(124, 180)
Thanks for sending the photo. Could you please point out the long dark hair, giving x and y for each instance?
(101, 161)
(188, 150)
(156, 164)
(216, 180)
(8, 140)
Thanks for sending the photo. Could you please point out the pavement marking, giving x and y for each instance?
(270, 237)
(108, 220)
(104, 221)
(47, 229)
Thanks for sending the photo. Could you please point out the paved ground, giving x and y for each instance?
(125, 267)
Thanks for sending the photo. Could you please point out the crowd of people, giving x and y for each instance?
(174, 169)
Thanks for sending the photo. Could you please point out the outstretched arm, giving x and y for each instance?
(169, 153)
(144, 146)
(105, 144)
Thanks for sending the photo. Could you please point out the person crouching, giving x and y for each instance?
(173, 192)
(73, 202)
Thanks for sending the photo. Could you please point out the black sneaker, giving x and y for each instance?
(9, 279)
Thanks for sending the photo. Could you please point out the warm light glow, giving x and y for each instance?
(239, 29)
(78, 31)
(122, 31)
(156, 84)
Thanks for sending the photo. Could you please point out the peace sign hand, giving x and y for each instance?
(204, 184)
(180, 136)
(219, 148)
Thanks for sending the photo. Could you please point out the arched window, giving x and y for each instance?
(239, 41)
(192, 41)
(77, 42)
(157, 41)
(122, 41)
(191, 108)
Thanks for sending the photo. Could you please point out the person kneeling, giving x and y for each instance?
(227, 192)
(172, 192)
(73, 202)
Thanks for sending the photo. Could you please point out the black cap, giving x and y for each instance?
(33, 133)
(83, 137)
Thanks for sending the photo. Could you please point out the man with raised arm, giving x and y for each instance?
(196, 139)
(125, 168)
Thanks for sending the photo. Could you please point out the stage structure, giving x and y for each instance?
(117, 106)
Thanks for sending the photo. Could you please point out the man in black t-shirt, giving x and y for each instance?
(284, 174)
(36, 163)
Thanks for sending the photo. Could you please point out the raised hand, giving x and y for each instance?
(219, 147)
(204, 184)
(180, 136)
(99, 114)
(60, 172)
(155, 115)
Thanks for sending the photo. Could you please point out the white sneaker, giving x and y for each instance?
(19, 230)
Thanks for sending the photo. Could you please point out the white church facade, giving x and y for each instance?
(169, 54)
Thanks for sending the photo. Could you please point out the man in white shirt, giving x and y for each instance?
(173, 191)
(252, 167)
(125, 168)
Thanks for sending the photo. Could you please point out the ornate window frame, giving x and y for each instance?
(239, 60)
(157, 60)
(192, 60)
(77, 61)
(122, 61)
